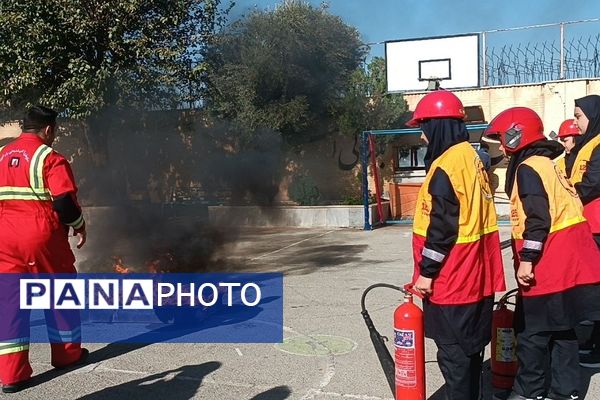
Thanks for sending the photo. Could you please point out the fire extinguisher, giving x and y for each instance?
(405, 372)
(503, 353)
(409, 341)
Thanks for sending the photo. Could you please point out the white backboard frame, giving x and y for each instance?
(411, 63)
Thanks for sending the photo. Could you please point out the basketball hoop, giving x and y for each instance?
(422, 64)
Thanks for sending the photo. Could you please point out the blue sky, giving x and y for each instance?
(381, 20)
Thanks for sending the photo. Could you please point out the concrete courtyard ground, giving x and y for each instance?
(327, 354)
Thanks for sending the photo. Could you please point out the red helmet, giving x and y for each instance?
(568, 128)
(437, 104)
(516, 128)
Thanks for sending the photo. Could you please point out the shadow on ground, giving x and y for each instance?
(276, 393)
(167, 333)
(304, 261)
(176, 384)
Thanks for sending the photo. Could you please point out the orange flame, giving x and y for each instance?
(165, 262)
(119, 267)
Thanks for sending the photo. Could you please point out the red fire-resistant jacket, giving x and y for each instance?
(549, 229)
(38, 204)
(455, 232)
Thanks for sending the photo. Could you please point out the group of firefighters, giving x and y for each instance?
(555, 215)
(555, 218)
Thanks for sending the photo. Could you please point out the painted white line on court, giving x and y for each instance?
(291, 245)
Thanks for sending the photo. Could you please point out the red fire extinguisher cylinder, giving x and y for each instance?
(504, 363)
(409, 342)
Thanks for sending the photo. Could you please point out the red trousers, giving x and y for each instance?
(33, 243)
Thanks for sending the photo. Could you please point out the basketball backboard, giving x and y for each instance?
(412, 63)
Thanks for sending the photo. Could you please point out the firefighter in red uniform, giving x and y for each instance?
(456, 245)
(583, 170)
(38, 207)
(555, 258)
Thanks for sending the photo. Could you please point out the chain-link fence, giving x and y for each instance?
(559, 54)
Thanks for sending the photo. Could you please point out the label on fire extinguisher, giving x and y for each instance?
(406, 374)
(505, 346)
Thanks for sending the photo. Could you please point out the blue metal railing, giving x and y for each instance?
(364, 159)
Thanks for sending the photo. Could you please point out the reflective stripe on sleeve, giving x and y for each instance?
(78, 223)
(532, 245)
(432, 254)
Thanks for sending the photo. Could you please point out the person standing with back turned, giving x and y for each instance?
(38, 207)
(554, 258)
(456, 245)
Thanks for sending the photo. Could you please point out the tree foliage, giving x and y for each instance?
(82, 56)
(284, 69)
(367, 105)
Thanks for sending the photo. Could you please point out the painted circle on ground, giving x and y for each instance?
(317, 345)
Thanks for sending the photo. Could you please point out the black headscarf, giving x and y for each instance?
(442, 133)
(590, 105)
(546, 148)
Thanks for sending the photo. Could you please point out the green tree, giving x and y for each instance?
(284, 69)
(367, 105)
(86, 58)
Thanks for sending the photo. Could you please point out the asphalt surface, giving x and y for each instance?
(327, 352)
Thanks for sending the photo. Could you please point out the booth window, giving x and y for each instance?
(411, 158)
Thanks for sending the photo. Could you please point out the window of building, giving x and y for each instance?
(411, 158)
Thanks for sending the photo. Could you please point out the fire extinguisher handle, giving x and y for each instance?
(504, 299)
(410, 288)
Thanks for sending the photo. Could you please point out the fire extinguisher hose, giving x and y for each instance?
(383, 354)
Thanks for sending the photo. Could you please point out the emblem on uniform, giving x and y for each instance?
(564, 181)
(514, 215)
(424, 208)
(14, 162)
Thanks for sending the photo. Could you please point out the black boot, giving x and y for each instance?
(16, 387)
(591, 360)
